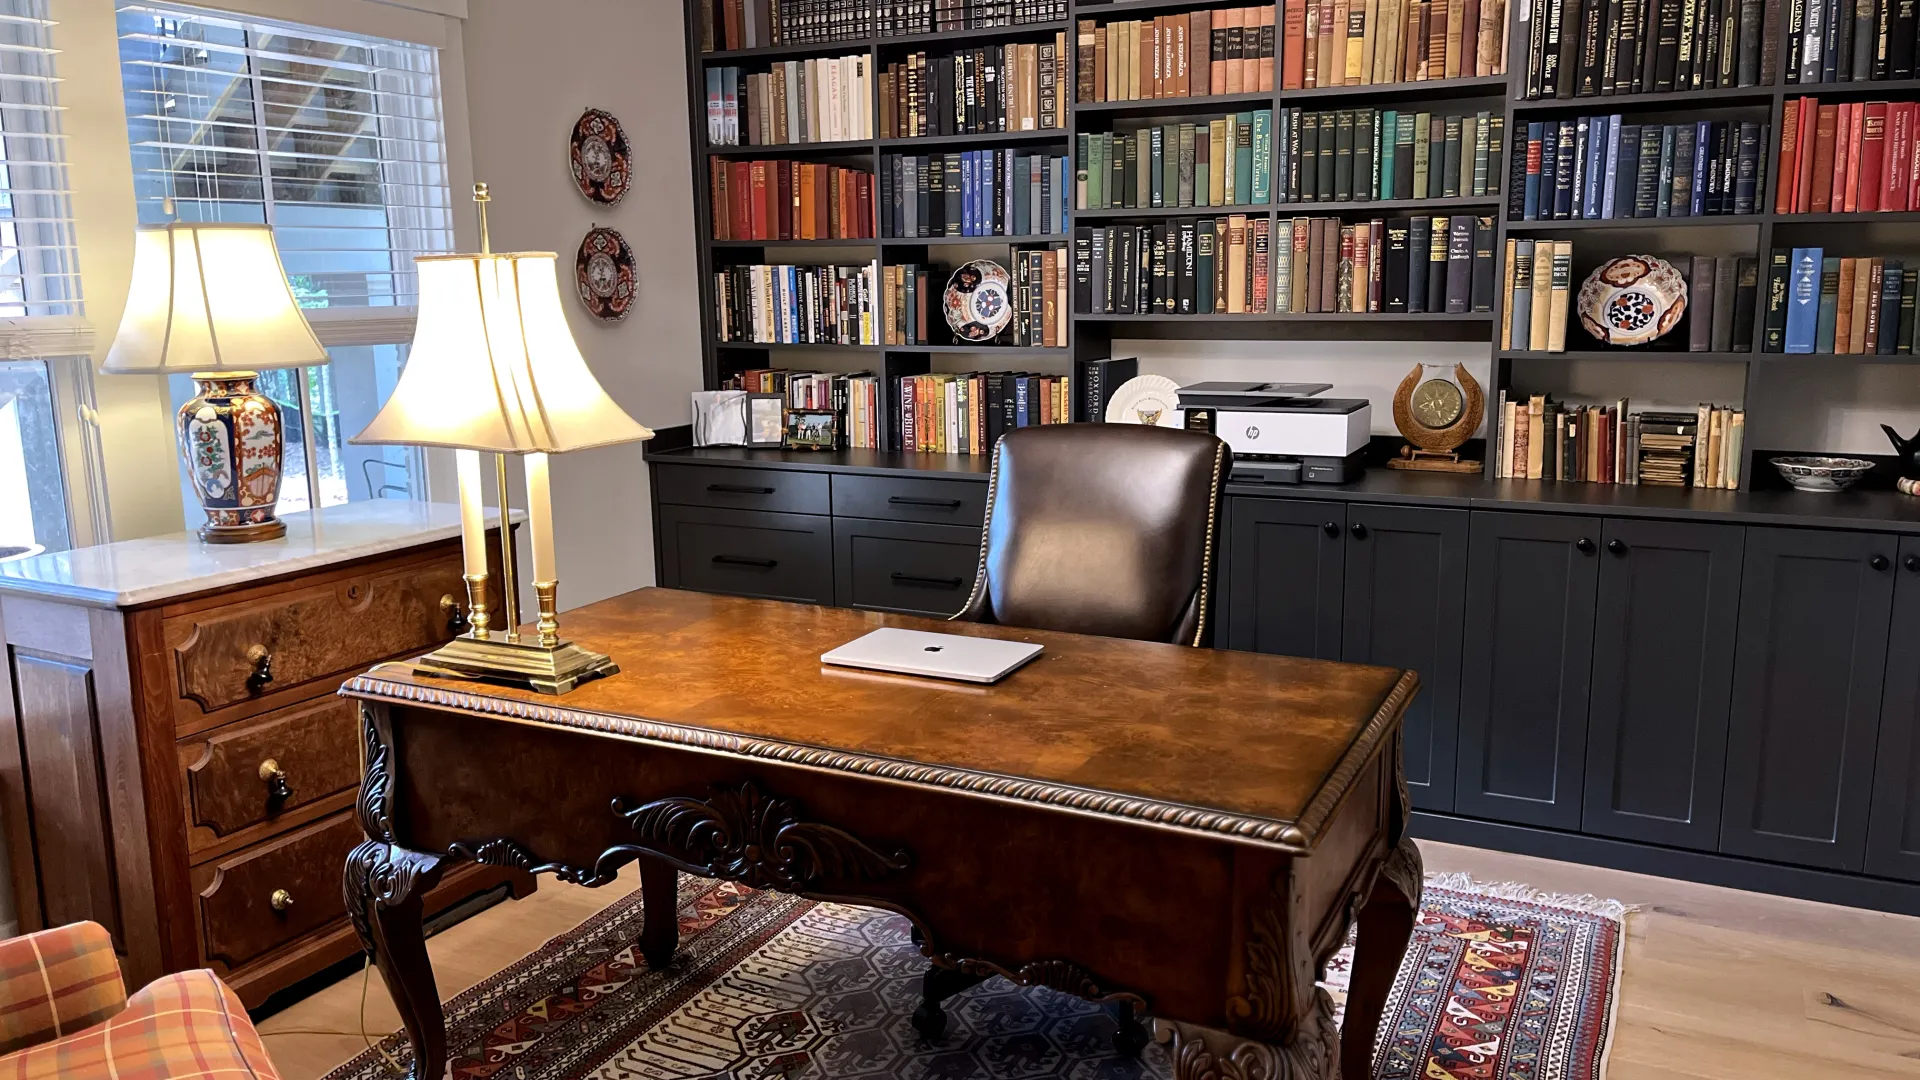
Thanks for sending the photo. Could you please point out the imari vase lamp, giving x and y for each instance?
(494, 368)
(212, 301)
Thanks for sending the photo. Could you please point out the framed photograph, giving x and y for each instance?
(766, 419)
(812, 429)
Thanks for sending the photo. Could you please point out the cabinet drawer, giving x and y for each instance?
(905, 567)
(235, 895)
(256, 649)
(772, 556)
(907, 498)
(786, 491)
(229, 772)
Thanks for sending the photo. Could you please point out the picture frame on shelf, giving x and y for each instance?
(766, 421)
(812, 429)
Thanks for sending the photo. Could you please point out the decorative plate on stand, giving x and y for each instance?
(1632, 300)
(599, 157)
(978, 300)
(605, 274)
(1152, 400)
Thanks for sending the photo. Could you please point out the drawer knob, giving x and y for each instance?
(278, 791)
(281, 900)
(456, 616)
(262, 672)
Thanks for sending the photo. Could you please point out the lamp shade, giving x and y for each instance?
(209, 297)
(494, 366)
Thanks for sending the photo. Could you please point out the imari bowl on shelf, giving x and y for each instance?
(1632, 300)
(978, 300)
(1822, 473)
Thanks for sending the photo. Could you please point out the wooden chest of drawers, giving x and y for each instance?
(182, 772)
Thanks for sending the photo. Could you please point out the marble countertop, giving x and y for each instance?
(135, 572)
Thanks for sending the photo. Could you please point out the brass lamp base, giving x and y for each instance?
(555, 669)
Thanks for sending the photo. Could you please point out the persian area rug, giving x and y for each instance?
(1499, 983)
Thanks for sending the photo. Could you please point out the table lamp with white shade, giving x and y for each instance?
(211, 300)
(495, 368)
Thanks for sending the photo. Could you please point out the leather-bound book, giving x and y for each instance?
(1395, 269)
(1419, 263)
(1459, 286)
(1746, 298)
(1824, 131)
(1437, 248)
(1330, 274)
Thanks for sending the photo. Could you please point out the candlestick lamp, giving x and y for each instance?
(494, 368)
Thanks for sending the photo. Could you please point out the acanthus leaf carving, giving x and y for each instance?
(741, 834)
(1199, 1053)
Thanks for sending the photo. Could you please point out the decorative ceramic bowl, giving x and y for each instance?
(1632, 300)
(978, 302)
(1822, 473)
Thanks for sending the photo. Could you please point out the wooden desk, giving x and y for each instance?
(1202, 826)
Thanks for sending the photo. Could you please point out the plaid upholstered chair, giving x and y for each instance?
(64, 1013)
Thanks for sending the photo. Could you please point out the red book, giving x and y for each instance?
(1789, 149)
(1837, 178)
(1803, 164)
(1873, 154)
(1893, 178)
(1849, 195)
(782, 216)
(1825, 126)
(757, 201)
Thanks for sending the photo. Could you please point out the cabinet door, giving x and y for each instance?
(1808, 670)
(1523, 688)
(1406, 592)
(747, 553)
(1285, 561)
(1893, 834)
(1662, 676)
(903, 566)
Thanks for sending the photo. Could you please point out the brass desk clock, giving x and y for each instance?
(1436, 416)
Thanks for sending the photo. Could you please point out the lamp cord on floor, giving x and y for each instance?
(366, 977)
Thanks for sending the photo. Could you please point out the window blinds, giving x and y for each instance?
(39, 270)
(334, 139)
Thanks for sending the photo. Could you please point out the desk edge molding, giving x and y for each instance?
(1293, 836)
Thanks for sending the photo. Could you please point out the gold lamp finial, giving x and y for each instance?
(480, 200)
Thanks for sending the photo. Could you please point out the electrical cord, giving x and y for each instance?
(366, 977)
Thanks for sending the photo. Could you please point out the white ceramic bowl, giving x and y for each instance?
(1822, 473)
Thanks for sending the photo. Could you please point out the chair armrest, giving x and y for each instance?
(57, 982)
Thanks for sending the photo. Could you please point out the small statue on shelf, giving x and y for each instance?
(1908, 449)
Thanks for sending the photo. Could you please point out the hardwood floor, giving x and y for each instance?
(1718, 985)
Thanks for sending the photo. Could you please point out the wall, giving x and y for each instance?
(530, 70)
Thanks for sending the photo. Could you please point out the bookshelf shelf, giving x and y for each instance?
(1718, 221)
(1297, 317)
(1126, 9)
(794, 150)
(1389, 206)
(1849, 91)
(1837, 358)
(1619, 355)
(1479, 86)
(1686, 99)
(1134, 213)
(1145, 106)
(796, 51)
(786, 346)
(990, 34)
(1888, 217)
(943, 241)
(1029, 352)
(782, 245)
(986, 138)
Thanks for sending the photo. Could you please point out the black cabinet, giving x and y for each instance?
(747, 553)
(1893, 833)
(1808, 672)
(1523, 687)
(1405, 599)
(903, 566)
(1668, 609)
(1285, 562)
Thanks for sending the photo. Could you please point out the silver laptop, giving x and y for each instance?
(940, 656)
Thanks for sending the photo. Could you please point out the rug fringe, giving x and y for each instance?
(1517, 890)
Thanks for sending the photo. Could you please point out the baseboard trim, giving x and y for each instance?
(1824, 886)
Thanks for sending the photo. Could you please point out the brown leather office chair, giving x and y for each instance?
(1106, 529)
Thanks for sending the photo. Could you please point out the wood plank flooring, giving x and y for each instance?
(1719, 984)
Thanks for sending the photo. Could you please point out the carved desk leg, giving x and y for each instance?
(385, 887)
(1386, 924)
(660, 900)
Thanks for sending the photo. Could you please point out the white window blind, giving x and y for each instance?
(39, 269)
(336, 140)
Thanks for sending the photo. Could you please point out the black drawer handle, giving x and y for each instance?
(1912, 563)
(1332, 528)
(908, 500)
(928, 582)
(739, 489)
(1358, 530)
(740, 560)
(1879, 562)
(1584, 545)
(1618, 547)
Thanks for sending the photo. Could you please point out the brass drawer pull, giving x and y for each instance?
(262, 672)
(281, 900)
(278, 791)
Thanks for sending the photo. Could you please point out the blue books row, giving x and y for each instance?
(1602, 168)
(1818, 303)
(973, 193)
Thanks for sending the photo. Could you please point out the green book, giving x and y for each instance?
(1083, 171)
(1388, 137)
(1829, 304)
(1230, 162)
(1144, 167)
(1263, 156)
(1422, 152)
(1092, 173)
(1481, 147)
(1184, 168)
(1243, 158)
(1343, 156)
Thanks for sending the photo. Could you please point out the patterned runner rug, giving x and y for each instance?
(1500, 983)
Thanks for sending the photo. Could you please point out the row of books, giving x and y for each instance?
(753, 24)
(1818, 303)
(1414, 265)
(973, 193)
(967, 413)
(1850, 40)
(1367, 154)
(1535, 279)
(1361, 42)
(1851, 157)
(1722, 295)
(1543, 439)
(1013, 87)
(1596, 48)
(790, 200)
(1187, 54)
(1187, 266)
(1600, 167)
(1222, 162)
(789, 304)
(795, 101)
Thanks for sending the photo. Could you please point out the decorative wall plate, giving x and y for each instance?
(599, 157)
(1632, 300)
(1152, 400)
(604, 272)
(978, 301)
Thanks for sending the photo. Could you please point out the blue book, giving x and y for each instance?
(1563, 174)
(966, 193)
(1626, 171)
(1661, 205)
(1536, 136)
(1890, 279)
(1595, 189)
(1578, 208)
(1383, 161)
(1610, 182)
(1702, 163)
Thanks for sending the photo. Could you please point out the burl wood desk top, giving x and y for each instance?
(1256, 747)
